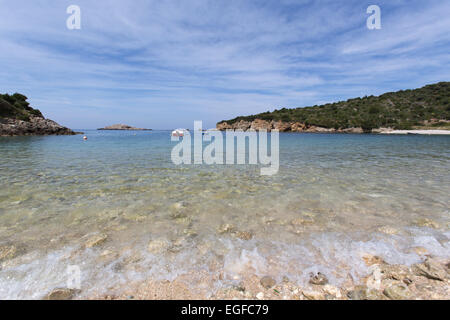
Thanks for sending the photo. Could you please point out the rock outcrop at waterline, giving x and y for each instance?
(35, 126)
(17, 118)
(281, 126)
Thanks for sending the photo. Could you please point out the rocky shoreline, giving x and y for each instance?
(401, 110)
(427, 280)
(281, 126)
(35, 126)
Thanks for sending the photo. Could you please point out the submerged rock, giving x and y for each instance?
(394, 272)
(96, 240)
(318, 279)
(157, 246)
(397, 292)
(244, 235)
(389, 230)
(332, 290)
(301, 222)
(370, 260)
(61, 294)
(225, 228)
(137, 217)
(178, 206)
(7, 252)
(184, 220)
(190, 233)
(267, 282)
(313, 295)
(267, 220)
(421, 251)
(118, 266)
(424, 222)
(358, 293)
(362, 292)
(240, 287)
(430, 269)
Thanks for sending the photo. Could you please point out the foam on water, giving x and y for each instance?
(338, 256)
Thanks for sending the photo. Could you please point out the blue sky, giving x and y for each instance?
(163, 64)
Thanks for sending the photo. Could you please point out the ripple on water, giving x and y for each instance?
(331, 203)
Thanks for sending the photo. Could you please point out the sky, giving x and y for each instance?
(163, 64)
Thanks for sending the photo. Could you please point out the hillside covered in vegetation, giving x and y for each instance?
(399, 110)
(17, 118)
(17, 107)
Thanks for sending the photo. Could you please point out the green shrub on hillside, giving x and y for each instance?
(16, 106)
(399, 110)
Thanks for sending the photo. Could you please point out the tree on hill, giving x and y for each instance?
(399, 110)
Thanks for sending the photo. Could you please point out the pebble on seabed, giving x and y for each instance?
(96, 240)
(267, 282)
(318, 279)
(260, 296)
(61, 294)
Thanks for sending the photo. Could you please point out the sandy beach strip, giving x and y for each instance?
(428, 132)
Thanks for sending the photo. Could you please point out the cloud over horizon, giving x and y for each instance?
(164, 64)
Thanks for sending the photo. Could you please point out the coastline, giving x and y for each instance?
(297, 127)
(35, 126)
(421, 132)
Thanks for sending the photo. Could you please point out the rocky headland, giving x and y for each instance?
(35, 126)
(17, 118)
(281, 126)
(122, 127)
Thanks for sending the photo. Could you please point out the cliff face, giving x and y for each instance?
(281, 126)
(35, 126)
(17, 118)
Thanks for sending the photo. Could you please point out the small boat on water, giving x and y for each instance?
(178, 132)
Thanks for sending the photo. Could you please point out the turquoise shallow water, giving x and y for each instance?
(334, 199)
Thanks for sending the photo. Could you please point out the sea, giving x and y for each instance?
(117, 209)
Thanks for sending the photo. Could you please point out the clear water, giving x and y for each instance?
(323, 211)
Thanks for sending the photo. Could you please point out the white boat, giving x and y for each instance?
(179, 132)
